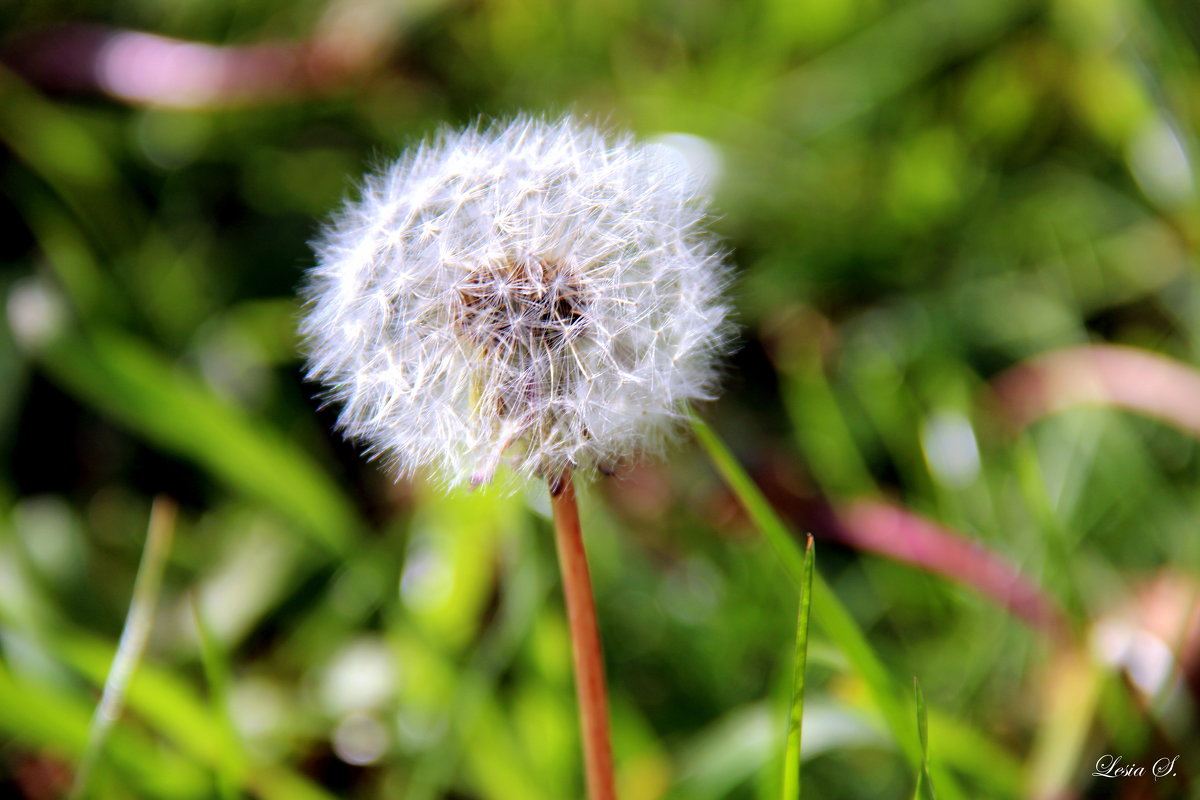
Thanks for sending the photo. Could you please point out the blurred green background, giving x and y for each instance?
(917, 196)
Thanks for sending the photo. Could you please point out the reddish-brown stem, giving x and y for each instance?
(585, 641)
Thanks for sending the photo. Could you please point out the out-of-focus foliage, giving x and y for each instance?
(918, 195)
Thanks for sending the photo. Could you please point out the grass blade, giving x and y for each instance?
(834, 619)
(924, 789)
(1072, 696)
(791, 759)
(836, 622)
(216, 672)
(120, 376)
(146, 589)
(168, 704)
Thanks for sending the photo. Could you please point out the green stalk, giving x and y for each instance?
(146, 587)
(834, 619)
(924, 789)
(791, 759)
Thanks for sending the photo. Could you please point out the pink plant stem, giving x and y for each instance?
(585, 641)
(889, 530)
(1136, 380)
(147, 69)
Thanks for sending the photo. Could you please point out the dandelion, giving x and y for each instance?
(535, 294)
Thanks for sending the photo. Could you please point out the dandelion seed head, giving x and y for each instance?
(538, 294)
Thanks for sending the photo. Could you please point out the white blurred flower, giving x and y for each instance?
(535, 292)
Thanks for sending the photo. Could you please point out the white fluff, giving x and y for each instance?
(536, 293)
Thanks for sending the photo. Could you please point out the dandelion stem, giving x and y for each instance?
(585, 641)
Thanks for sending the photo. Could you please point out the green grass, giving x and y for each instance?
(132, 644)
(924, 790)
(791, 758)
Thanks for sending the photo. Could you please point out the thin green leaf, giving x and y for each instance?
(834, 619)
(146, 590)
(971, 752)
(924, 789)
(821, 430)
(51, 718)
(1073, 696)
(123, 378)
(791, 759)
(168, 704)
(837, 623)
(54, 145)
(216, 671)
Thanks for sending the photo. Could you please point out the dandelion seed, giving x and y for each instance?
(536, 293)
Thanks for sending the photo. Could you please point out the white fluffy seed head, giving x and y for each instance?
(535, 293)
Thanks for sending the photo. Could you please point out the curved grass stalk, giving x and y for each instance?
(146, 588)
(791, 758)
(834, 619)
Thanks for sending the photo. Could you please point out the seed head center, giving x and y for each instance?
(522, 307)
